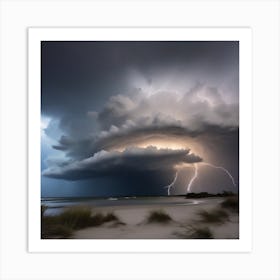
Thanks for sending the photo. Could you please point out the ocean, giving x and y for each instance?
(56, 205)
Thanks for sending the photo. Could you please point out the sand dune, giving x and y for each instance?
(183, 216)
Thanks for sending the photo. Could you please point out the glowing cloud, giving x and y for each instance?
(131, 159)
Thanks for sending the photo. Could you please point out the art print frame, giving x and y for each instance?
(243, 35)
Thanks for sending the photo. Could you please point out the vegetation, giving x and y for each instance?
(206, 194)
(231, 203)
(55, 230)
(76, 217)
(63, 225)
(196, 232)
(110, 217)
(99, 219)
(158, 216)
(214, 216)
(43, 209)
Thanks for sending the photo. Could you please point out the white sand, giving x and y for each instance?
(136, 226)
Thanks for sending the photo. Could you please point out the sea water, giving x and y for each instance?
(56, 205)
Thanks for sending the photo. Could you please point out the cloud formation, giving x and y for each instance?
(104, 163)
(192, 109)
(138, 117)
(106, 102)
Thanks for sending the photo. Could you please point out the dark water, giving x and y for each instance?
(57, 205)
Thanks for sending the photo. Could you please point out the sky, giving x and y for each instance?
(131, 118)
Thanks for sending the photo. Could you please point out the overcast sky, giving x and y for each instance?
(121, 118)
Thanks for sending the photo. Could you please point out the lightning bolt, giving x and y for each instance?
(172, 183)
(193, 178)
(222, 168)
(211, 165)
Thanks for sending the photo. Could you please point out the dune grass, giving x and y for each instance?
(43, 209)
(200, 233)
(158, 216)
(74, 218)
(99, 218)
(196, 232)
(55, 230)
(231, 203)
(217, 215)
(109, 217)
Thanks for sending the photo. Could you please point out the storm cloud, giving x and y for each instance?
(125, 120)
(106, 163)
(121, 109)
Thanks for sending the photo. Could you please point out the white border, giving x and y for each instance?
(243, 35)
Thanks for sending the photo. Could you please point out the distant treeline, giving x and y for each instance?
(206, 194)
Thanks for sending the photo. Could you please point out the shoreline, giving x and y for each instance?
(57, 205)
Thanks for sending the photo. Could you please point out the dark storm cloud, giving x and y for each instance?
(103, 97)
(87, 147)
(132, 159)
(79, 75)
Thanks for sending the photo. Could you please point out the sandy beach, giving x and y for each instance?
(133, 222)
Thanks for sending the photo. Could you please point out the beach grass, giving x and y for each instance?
(43, 209)
(55, 230)
(231, 203)
(197, 232)
(100, 218)
(158, 216)
(74, 218)
(213, 216)
(110, 217)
